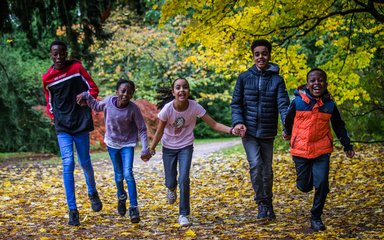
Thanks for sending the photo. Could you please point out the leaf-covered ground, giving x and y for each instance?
(32, 202)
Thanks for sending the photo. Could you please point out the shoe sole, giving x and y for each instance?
(122, 214)
(185, 225)
(135, 220)
(97, 209)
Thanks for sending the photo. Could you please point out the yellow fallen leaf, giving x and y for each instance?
(287, 210)
(7, 184)
(190, 233)
(176, 225)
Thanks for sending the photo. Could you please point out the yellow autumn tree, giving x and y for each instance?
(341, 36)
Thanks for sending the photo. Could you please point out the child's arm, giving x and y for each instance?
(288, 123)
(93, 89)
(98, 106)
(217, 126)
(140, 124)
(237, 104)
(158, 135)
(338, 126)
(282, 100)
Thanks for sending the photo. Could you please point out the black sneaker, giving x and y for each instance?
(262, 214)
(121, 207)
(134, 214)
(74, 218)
(270, 212)
(97, 205)
(317, 225)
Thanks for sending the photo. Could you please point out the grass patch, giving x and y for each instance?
(211, 140)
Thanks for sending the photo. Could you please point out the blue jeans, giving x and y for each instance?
(122, 160)
(313, 172)
(170, 159)
(259, 154)
(81, 141)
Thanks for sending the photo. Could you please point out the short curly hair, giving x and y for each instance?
(261, 42)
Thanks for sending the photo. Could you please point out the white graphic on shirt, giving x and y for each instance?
(178, 124)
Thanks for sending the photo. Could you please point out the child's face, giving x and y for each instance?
(316, 83)
(261, 57)
(59, 56)
(124, 94)
(181, 90)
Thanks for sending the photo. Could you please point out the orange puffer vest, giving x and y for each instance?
(311, 133)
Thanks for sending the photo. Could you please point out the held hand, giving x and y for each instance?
(240, 130)
(286, 136)
(146, 157)
(79, 98)
(350, 153)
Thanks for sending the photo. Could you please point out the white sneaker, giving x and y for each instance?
(183, 221)
(171, 195)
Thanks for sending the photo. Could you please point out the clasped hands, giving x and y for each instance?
(239, 130)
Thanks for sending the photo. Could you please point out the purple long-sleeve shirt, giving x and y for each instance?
(122, 125)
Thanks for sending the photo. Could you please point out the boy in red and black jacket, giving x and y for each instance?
(63, 81)
(311, 141)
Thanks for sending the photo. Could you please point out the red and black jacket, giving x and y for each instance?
(60, 89)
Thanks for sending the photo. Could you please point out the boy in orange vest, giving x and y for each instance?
(307, 127)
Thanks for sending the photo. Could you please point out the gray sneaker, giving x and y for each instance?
(171, 195)
(184, 221)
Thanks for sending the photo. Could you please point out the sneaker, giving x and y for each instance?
(97, 205)
(74, 218)
(171, 195)
(270, 213)
(262, 211)
(134, 214)
(121, 207)
(183, 221)
(317, 225)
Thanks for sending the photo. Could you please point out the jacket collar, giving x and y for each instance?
(307, 96)
(272, 68)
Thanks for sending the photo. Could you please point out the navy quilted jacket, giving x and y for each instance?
(257, 100)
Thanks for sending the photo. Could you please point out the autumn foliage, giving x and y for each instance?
(32, 200)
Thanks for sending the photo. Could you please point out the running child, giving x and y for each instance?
(175, 129)
(123, 123)
(307, 127)
(63, 81)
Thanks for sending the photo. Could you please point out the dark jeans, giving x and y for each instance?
(313, 172)
(259, 154)
(122, 160)
(184, 157)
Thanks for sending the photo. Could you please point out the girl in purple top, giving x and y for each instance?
(123, 123)
(175, 129)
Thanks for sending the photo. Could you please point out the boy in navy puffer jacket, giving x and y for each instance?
(259, 96)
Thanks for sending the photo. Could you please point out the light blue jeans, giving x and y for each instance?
(182, 156)
(122, 160)
(81, 141)
(259, 154)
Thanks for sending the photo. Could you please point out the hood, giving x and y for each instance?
(307, 96)
(272, 68)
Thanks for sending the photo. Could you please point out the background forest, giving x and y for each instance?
(208, 42)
